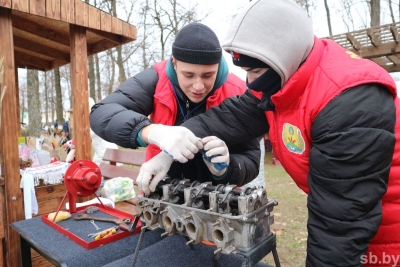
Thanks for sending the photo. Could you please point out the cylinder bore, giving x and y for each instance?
(191, 228)
(218, 235)
(167, 222)
(147, 216)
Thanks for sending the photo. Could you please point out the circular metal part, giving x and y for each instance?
(92, 209)
(82, 178)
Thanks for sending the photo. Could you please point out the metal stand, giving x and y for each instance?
(256, 253)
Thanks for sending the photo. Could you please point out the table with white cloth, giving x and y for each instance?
(50, 174)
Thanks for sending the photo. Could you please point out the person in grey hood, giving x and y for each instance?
(331, 117)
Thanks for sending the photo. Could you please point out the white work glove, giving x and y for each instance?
(215, 155)
(177, 141)
(158, 167)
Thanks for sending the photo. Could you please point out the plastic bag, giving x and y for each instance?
(118, 189)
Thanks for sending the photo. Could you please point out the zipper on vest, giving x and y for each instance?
(187, 109)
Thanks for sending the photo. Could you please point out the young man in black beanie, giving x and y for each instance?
(193, 80)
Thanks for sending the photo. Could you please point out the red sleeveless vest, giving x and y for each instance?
(165, 107)
(305, 94)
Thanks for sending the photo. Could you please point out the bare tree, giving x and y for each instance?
(307, 5)
(375, 9)
(391, 11)
(46, 99)
(35, 118)
(57, 87)
(328, 17)
(98, 79)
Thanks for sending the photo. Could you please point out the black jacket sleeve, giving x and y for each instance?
(121, 115)
(236, 120)
(353, 144)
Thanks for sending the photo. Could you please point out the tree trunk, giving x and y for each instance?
(46, 99)
(391, 11)
(375, 12)
(328, 17)
(96, 59)
(58, 102)
(35, 118)
(92, 78)
(112, 75)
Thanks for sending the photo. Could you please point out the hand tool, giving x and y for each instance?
(122, 223)
(95, 225)
(96, 234)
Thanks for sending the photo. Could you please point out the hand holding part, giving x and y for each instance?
(215, 155)
(158, 167)
(177, 141)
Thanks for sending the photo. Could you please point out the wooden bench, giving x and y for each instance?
(130, 162)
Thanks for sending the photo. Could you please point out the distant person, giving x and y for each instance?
(66, 130)
(55, 124)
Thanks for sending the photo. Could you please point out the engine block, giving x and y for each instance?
(234, 219)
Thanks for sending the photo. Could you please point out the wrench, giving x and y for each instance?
(122, 223)
(114, 220)
(95, 225)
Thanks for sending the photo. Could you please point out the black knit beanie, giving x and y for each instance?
(197, 44)
(246, 61)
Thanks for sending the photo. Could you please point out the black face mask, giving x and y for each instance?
(269, 83)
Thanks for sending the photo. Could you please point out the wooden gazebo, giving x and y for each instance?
(379, 44)
(42, 35)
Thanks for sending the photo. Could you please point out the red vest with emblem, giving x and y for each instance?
(165, 107)
(298, 103)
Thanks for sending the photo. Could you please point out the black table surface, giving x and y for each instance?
(154, 249)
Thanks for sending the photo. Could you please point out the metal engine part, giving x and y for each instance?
(235, 220)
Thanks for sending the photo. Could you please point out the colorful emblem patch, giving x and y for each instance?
(292, 138)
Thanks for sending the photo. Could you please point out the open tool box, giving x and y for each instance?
(82, 179)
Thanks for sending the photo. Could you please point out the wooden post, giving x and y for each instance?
(80, 94)
(19, 131)
(9, 143)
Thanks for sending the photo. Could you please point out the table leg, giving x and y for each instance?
(26, 253)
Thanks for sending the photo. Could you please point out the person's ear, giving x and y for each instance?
(173, 62)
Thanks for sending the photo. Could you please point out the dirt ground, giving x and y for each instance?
(290, 216)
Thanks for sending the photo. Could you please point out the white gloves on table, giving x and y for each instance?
(216, 155)
(177, 141)
(158, 166)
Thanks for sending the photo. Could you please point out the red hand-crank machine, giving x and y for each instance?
(82, 179)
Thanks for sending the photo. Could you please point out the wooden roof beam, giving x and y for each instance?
(41, 31)
(395, 33)
(380, 51)
(32, 61)
(394, 59)
(100, 46)
(41, 49)
(118, 39)
(375, 40)
(356, 44)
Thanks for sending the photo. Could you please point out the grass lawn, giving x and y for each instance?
(290, 216)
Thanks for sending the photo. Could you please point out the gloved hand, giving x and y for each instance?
(216, 155)
(157, 166)
(177, 141)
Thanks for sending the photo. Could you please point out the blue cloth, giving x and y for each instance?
(219, 166)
